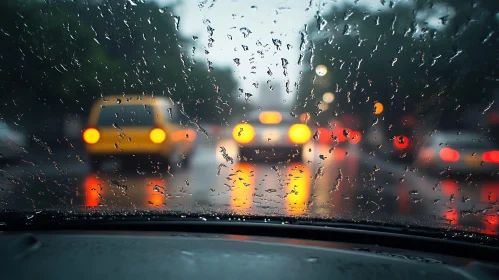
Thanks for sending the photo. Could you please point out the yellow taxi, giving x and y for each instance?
(134, 126)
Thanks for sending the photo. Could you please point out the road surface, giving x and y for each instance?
(345, 183)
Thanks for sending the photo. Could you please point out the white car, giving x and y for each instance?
(12, 143)
(461, 152)
(271, 135)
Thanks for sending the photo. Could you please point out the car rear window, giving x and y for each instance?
(126, 115)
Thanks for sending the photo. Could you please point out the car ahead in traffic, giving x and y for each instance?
(454, 152)
(136, 127)
(271, 135)
(12, 143)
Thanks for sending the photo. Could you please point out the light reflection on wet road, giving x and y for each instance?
(343, 183)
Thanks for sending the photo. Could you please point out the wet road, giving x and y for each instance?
(345, 183)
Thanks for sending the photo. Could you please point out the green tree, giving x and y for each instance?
(394, 57)
(57, 57)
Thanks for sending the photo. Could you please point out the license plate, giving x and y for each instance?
(270, 135)
(473, 160)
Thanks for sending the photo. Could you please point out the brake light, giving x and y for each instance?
(324, 135)
(401, 142)
(91, 136)
(299, 133)
(243, 133)
(491, 156)
(270, 117)
(448, 154)
(354, 137)
(339, 132)
(157, 135)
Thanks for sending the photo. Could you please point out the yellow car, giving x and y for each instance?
(135, 126)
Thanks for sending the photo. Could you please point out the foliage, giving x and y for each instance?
(57, 57)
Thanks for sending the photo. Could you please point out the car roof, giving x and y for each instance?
(456, 137)
(133, 100)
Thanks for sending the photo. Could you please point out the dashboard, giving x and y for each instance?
(116, 254)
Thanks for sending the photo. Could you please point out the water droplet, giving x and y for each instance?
(394, 60)
(177, 22)
(245, 31)
(347, 29)
(277, 43)
(488, 37)
(321, 22)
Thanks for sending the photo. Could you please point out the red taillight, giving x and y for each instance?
(324, 135)
(339, 132)
(491, 156)
(354, 137)
(401, 142)
(448, 154)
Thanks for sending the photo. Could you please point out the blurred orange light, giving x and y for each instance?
(401, 142)
(378, 108)
(92, 189)
(184, 134)
(305, 117)
(270, 117)
(157, 135)
(91, 136)
(241, 196)
(299, 133)
(298, 189)
(243, 133)
(156, 191)
(448, 154)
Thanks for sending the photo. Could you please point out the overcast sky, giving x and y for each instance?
(267, 20)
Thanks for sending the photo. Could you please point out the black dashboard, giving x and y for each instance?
(123, 254)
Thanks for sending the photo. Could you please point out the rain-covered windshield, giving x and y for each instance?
(304, 109)
(127, 115)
